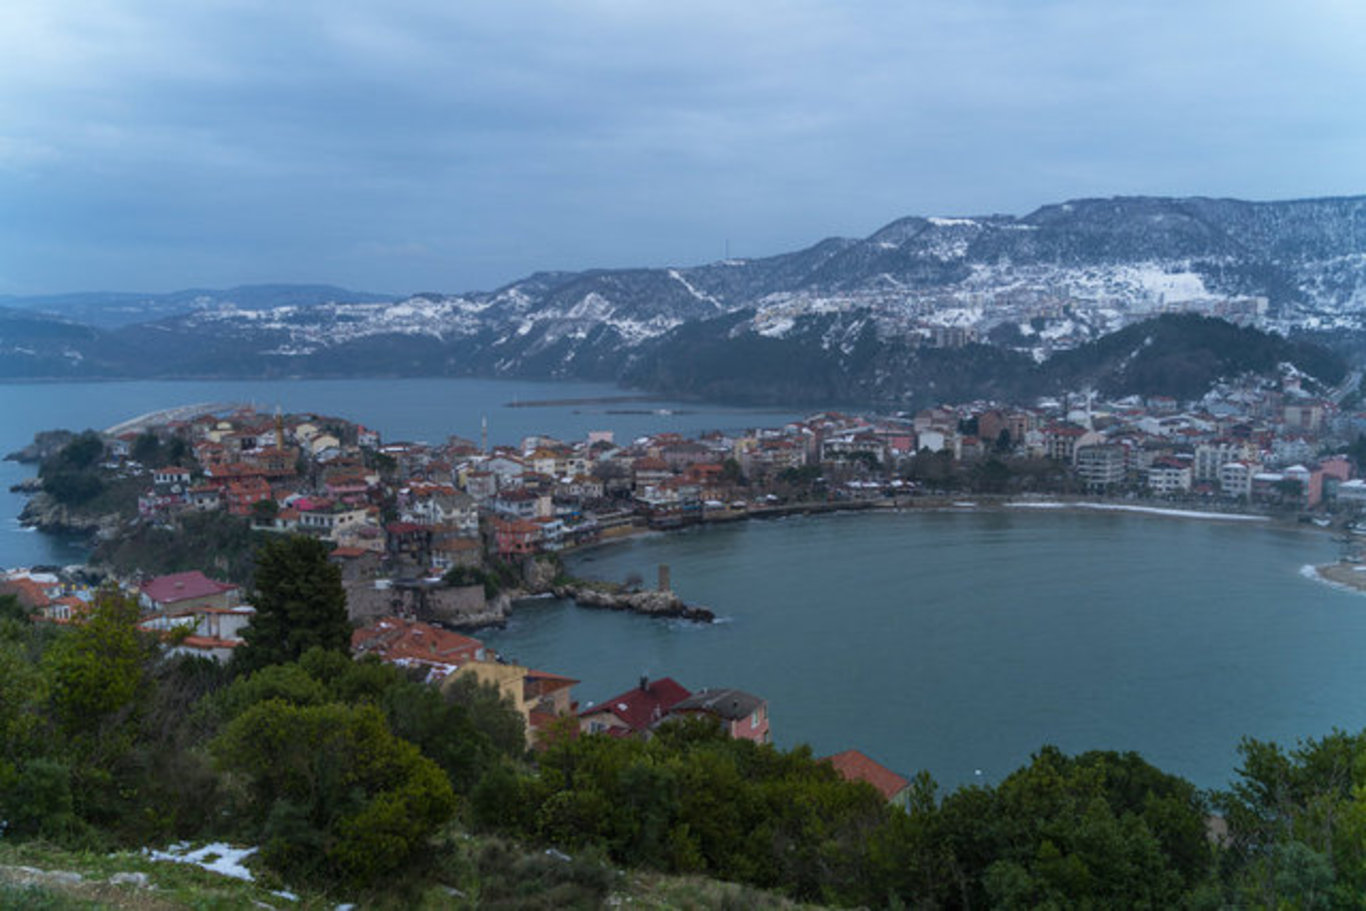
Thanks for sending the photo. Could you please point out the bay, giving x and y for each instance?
(956, 642)
(961, 642)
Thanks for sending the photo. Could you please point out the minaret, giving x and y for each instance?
(484, 434)
(279, 427)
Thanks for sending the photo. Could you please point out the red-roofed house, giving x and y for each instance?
(634, 711)
(33, 595)
(409, 643)
(855, 766)
(242, 495)
(516, 538)
(181, 592)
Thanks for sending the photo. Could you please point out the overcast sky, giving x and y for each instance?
(457, 145)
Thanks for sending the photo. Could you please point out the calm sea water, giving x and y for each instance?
(962, 642)
(953, 642)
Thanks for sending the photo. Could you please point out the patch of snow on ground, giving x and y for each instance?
(774, 326)
(218, 857)
(1060, 329)
(700, 295)
(1173, 286)
(955, 316)
(950, 222)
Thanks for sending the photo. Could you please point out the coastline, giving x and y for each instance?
(1349, 577)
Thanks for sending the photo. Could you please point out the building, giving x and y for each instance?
(743, 715)
(208, 632)
(635, 711)
(181, 592)
(1167, 476)
(408, 643)
(1101, 467)
(539, 697)
(1235, 478)
(855, 766)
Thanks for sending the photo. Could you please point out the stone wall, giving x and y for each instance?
(457, 606)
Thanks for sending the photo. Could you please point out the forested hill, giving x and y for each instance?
(1178, 355)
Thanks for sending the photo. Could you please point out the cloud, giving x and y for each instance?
(334, 141)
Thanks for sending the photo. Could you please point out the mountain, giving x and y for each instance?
(924, 307)
(112, 309)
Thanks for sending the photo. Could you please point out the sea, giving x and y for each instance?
(956, 641)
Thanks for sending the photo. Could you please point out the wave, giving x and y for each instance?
(1147, 510)
(1310, 571)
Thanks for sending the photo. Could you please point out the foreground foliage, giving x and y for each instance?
(350, 776)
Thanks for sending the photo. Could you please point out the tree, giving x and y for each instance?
(97, 671)
(300, 603)
(147, 449)
(336, 796)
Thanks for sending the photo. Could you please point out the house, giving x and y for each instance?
(635, 711)
(355, 562)
(209, 632)
(181, 592)
(743, 715)
(439, 504)
(173, 478)
(330, 519)
(516, 537)
(1169, 475)
(408, 643)
(242, 495)
(36, 592)
(539, 697)
(855, 766)
(449, 553)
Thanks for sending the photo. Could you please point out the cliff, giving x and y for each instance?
(44, 513)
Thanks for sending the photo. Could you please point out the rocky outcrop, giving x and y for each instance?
(45, 443)
(44, 513)
(649, 603)
(540, 574)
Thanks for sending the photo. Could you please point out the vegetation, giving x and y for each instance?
(353, 779)
(189, 540)
(1179, 355)
(300, 604)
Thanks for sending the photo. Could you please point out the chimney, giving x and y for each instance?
(644, 682)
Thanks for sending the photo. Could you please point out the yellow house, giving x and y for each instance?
(539, 697)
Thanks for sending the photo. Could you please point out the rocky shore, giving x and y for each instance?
(648, 603)
(44, 513)
(1345, 574)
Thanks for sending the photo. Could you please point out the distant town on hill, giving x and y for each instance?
(923, 309)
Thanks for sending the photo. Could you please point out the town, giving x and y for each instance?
(431, 538)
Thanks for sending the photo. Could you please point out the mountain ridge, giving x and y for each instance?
(1063, 275)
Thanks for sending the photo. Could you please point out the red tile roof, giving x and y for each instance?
(402, 641)
(855, 766)
(183, 586)
(642, 706)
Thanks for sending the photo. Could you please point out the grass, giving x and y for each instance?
(474, 873)
(169, 885)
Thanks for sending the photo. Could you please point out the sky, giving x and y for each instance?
(458, 145)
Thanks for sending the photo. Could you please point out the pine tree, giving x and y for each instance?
(300, 603)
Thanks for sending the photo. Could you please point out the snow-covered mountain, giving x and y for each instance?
(1044, 282)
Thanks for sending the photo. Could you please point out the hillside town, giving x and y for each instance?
(428, 538)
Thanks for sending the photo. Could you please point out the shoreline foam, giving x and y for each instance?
(1141, 510)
